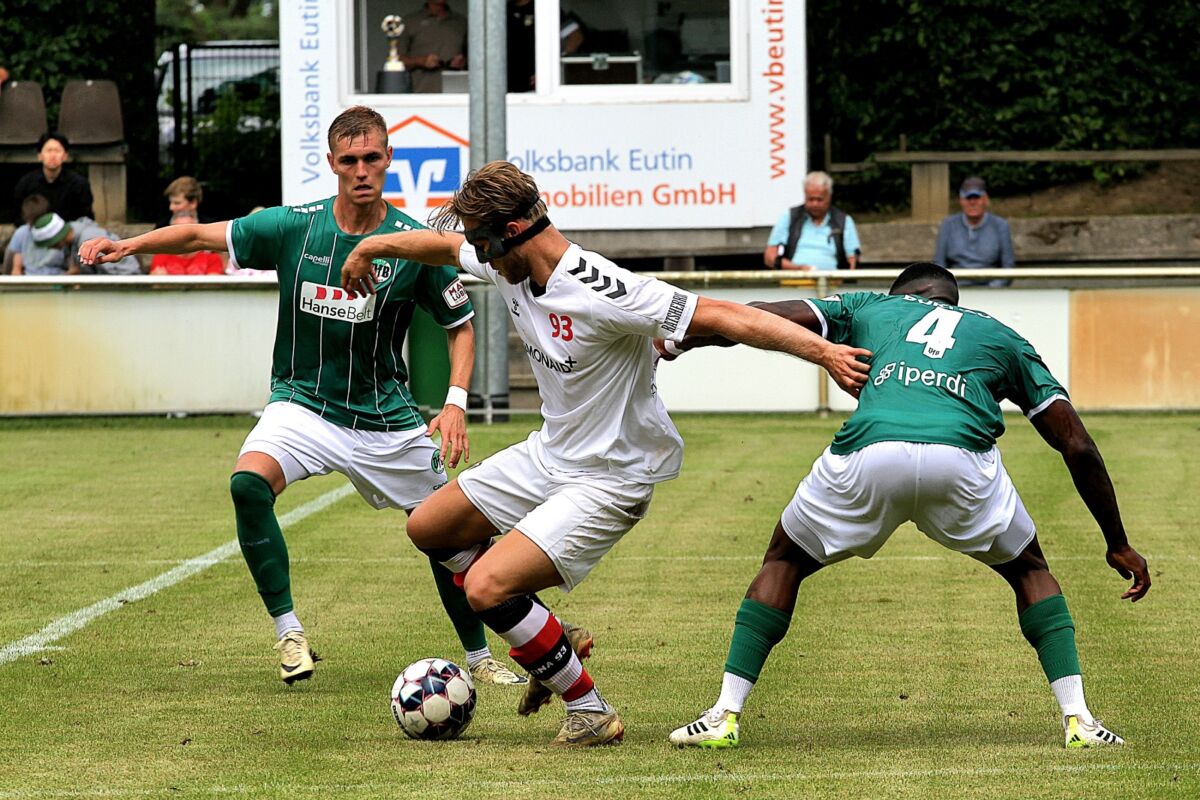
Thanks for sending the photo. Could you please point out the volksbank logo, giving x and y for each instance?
(334, 303)
(427, 165)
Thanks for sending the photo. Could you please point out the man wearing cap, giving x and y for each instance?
(49, 245)
(974, 238)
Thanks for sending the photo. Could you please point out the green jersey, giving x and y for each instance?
(335, 353)
(938, 372)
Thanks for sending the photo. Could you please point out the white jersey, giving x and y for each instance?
(587, 336)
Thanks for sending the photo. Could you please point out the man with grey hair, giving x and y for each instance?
(815, 235)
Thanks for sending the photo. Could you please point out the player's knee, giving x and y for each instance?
(485, 588)
(422, 529)
(250, 490)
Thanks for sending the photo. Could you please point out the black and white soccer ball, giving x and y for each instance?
(433, 699)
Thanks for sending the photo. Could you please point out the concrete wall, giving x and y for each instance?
(166, 349)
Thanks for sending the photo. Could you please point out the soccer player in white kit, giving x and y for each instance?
(569, 492)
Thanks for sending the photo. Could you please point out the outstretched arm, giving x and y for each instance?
(1063, 430)
(796, 311)
(767, 331)
(452, 421)
(171, 239)
(425, 246)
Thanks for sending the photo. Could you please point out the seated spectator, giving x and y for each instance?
(184, 194)
(816, 235)
(69, 193)
(974, 238)
(52, 248)
(434, 38)
(27, 258)
(201, 262)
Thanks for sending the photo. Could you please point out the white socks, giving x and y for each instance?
(287, 622)
(1068, 692)
(475, 656)
(734, 691)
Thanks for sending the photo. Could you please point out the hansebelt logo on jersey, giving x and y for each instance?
(455, 294)
(332, 302)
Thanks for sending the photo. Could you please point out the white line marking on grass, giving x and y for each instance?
(416, 556)
(64, 626)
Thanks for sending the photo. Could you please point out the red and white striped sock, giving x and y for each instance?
(540, 646)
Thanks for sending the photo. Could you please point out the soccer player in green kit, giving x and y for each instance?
(338, 396)
(921, 447)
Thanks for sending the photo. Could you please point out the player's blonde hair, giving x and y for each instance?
(356, 121)
(493, 194)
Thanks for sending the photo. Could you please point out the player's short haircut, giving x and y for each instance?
(492, 194)
(925, 275)
(822, 179)
(34, 206)
(187, 186)
(354, 122)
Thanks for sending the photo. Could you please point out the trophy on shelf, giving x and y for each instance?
(393, 78)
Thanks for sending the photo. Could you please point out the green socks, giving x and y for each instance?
(454, 600)
(261, 540)
(756, 629)
(1048, 626)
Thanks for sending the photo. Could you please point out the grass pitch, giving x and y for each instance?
(902, 677)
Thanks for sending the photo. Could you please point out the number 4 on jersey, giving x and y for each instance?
(935, 330)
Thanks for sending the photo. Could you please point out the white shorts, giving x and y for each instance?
(574, 520)
(849, 505)
(396, 469)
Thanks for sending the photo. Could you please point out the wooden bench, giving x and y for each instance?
(931, 188)
(105, 171)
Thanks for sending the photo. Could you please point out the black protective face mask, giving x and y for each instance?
(493, 233)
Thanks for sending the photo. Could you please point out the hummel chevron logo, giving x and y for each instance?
(606, 282)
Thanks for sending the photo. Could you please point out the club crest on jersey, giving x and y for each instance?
(383, 271)
(333, 302)
(455, 294)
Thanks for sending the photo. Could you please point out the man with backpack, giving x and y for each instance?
(815, 235)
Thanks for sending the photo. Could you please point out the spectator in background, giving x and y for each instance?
(434, 38)
(3, 78)
(25, 258)
(521, 62)
(184, 194)
(816, 235)
(52, 247)
(973, 238)
(69, 193)
(200, 262)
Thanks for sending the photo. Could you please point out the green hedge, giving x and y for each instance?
(54, 41)
(986, 74)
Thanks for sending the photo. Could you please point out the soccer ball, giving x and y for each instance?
(433, 699)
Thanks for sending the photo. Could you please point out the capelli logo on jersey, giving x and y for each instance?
(334, 303)
(320, 261)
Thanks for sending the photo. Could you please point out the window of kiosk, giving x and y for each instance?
(681, 48)
(426, 56)
(666, 42)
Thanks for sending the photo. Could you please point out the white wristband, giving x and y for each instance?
(672, 348)
(457, 396)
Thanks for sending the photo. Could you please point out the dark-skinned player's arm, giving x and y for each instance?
(758, 328)
(425, 246)
(452, 421)
(796, 311)
(1063, 430)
